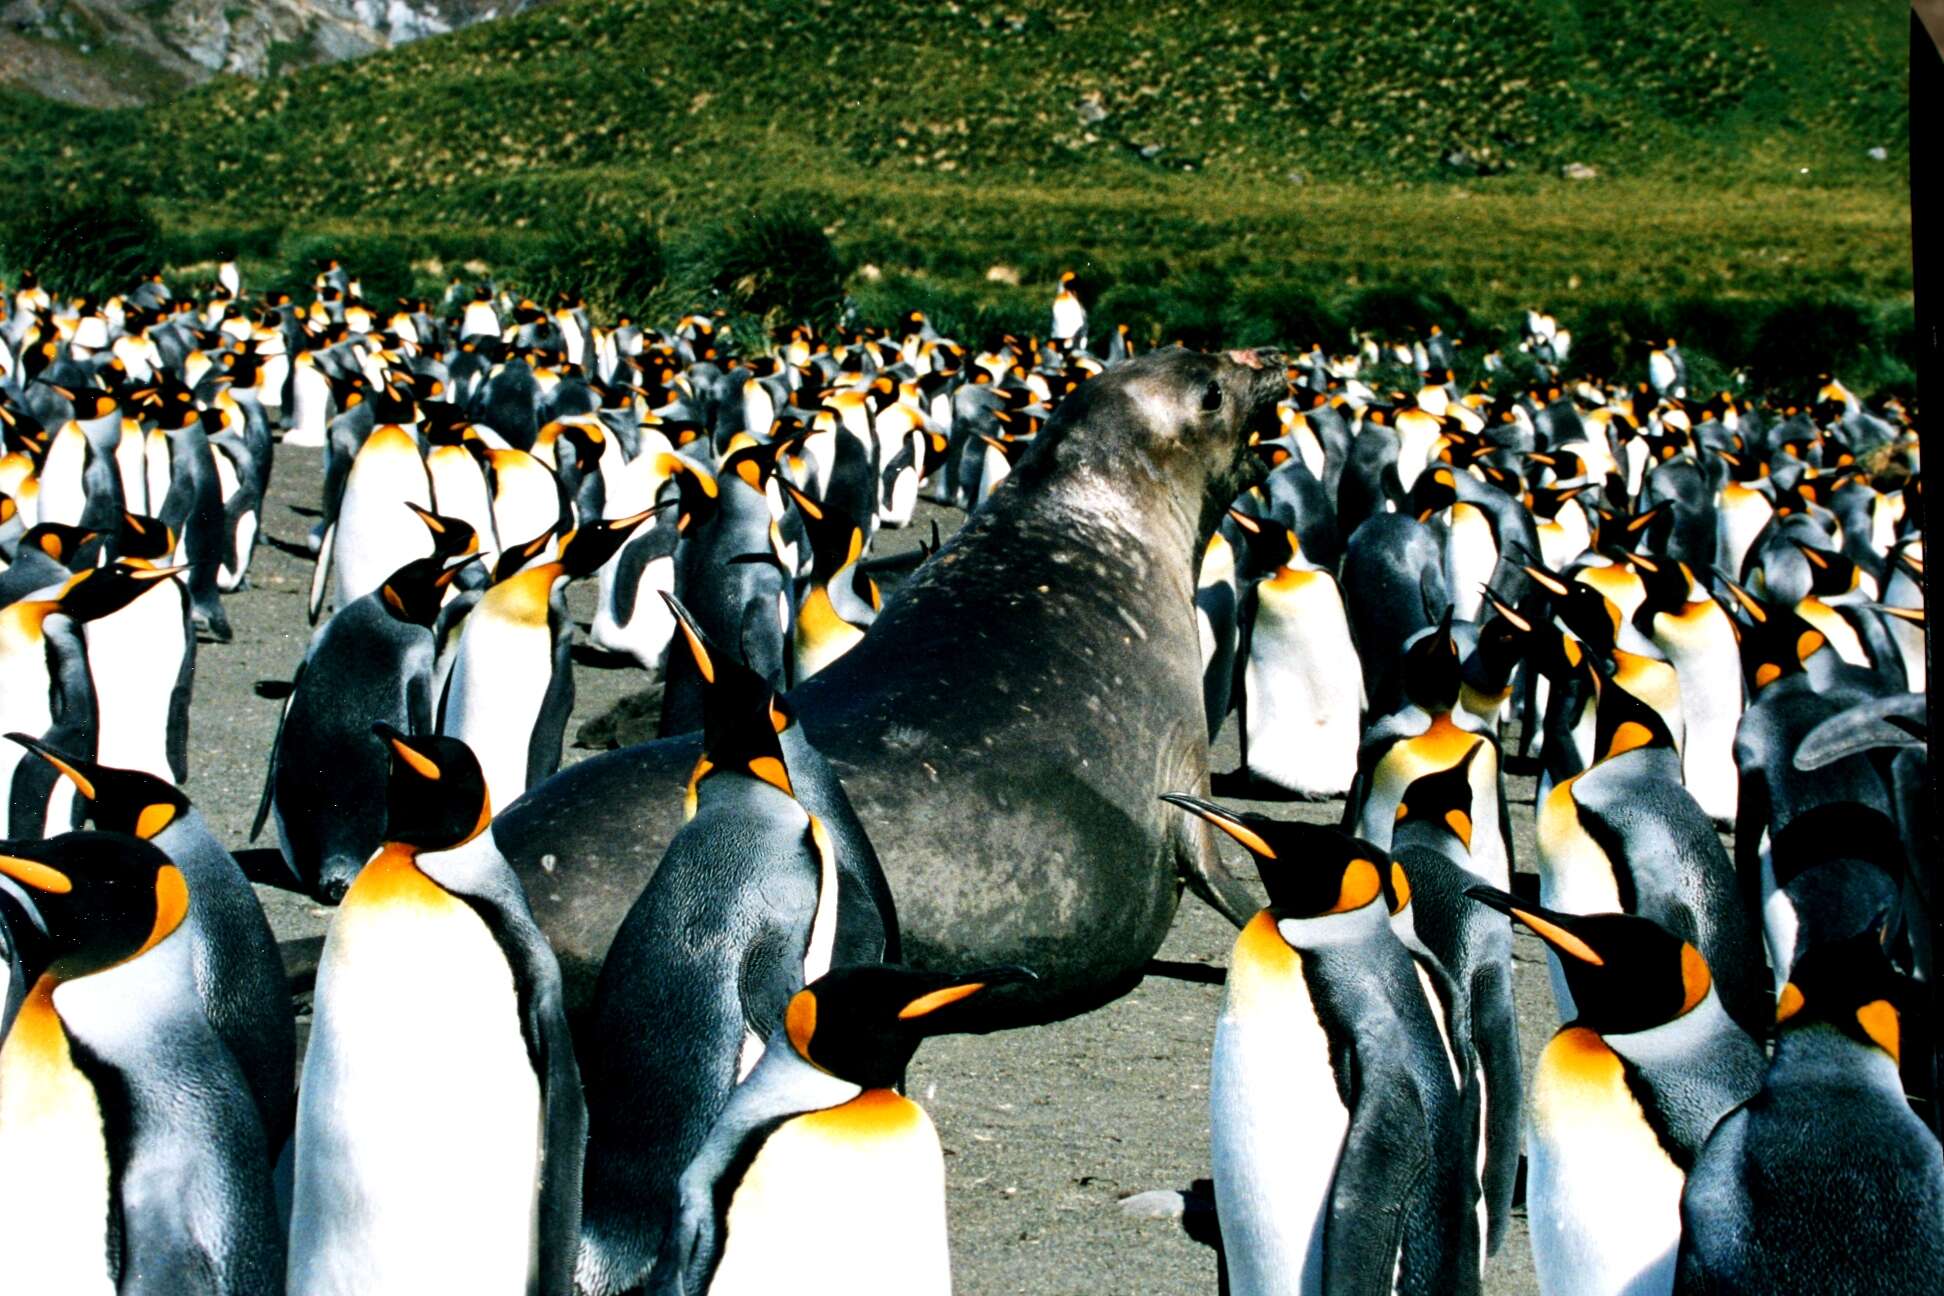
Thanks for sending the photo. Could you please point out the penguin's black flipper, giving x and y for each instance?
(1495, 1034)
(178, 730)
(270, 775)
(550, 1046)
(772, 971)
(321, 574)
(1376, 1180)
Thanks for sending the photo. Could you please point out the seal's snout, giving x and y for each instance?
(1249, 358)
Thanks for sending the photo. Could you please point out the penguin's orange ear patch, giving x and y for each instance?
(930, 1003)
(1788, 1003)
(1879, 1021)
(37, 875)
(419, 763)
(800, 1021)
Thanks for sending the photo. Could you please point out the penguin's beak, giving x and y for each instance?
(1226, 820)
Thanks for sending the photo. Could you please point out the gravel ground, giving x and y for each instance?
(1045, 1130)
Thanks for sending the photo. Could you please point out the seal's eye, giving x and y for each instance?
(1212, 396)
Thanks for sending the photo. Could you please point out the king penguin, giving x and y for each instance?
(819, 1174)
(239, 974)
(1622, 1099)
(135, 1158)
(746, 907)
(1302, 705)
(511, 686)
(439, 1126)
(1340, 1161)
(1825, 1180)
(371, 662)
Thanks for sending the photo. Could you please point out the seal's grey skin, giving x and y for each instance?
(1007, 726)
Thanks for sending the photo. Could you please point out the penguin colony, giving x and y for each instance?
(1696, 612)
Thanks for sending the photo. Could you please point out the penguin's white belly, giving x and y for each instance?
(1575, 875)
(419, 1117)
(525, 507)
(134, 657)
(1602, 1196)
(54, 1189)
(651, 625)
(131, 465)
(500, 676)
(850, 1199)
(1276, 1131)
(63, 492)
(1471, 556)
(375, 533)
(1304, 689)
(1711, 709)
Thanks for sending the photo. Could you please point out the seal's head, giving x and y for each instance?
(1171, 425)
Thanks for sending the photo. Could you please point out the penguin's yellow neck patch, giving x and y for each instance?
(873, 1114)
(1262, 965)
(1578, 1078)
(393, 878)
(37, 1071)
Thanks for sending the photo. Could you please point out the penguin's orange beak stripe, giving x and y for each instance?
(937, 999)
(82, 782)
(1559, 938)
(35, 874)
(419, 763)
(1247, 836)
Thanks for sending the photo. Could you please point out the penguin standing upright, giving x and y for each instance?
(1825, 1180)
(1623, 836)
(375, 532)
(435, 980)
(1069, 315)
(240, 977)
(142, 663)
(753, 899)
(1301, 703)
(841, 600)
(1340, 1158)
(511, 686)
(135, 1159)
(1622, 1099)
(819, 1173)
(372, 662)
(1431, 844)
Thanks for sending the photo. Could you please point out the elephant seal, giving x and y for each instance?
(1008, 725)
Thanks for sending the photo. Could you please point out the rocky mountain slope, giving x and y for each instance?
(117, 53)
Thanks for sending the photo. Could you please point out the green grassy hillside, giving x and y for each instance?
(1186, 155)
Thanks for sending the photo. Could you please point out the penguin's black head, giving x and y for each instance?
(1505, 639)
(1626, 973)
(1667, 582)
(85, 901)
(1269, 544)
(103, 591)
(1623, 723)
(1443, 799)
(584, 549)
(697, 493)
(1583, 610)
(862, 1023)
(1830, 572)
(1850, 985)
(1431, 670)
(514, 558)
(65, 544)
(1309, 870)
(1435, 489)
(133, 802)
(1775, 640)
(451, 537)
(435, 794)
(589, 443)
(415, 591)
(743, 719)
(146, 538)
(836, 541)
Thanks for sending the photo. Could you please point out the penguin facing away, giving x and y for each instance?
(1825, 1180)
(435, 981)
(819, 1173)
(135, 1157)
